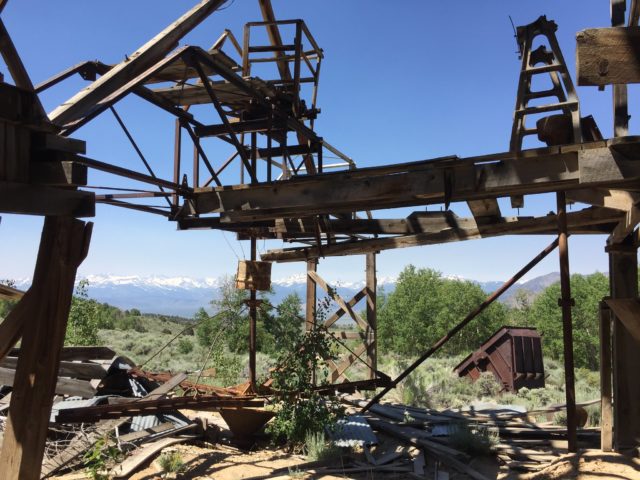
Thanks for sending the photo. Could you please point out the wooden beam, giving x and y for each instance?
(371, 333)
(576, 221)
(63, 246)
(63, 386)
(608, 56)
(142, 59)
(626, 226)
(338, 299)
(10, 293)
(59, 174)
(11, 327)
(81, 371)
(627, 310)
(82, 354)
(623, 279)
(606, 403)
(341, 311)
(28, 199)
(603, 197)
(17, 68)
(421, 184)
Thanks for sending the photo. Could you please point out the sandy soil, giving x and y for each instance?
(590, 465)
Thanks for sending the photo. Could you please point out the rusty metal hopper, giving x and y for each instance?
(512, 354)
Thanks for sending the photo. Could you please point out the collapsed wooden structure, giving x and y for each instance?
(282, 189)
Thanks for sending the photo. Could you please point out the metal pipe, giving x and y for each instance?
(566, 302)
(477, 311)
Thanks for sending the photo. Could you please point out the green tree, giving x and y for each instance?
(285, 326)
(82, 328)
(546, 316)
(424, 306)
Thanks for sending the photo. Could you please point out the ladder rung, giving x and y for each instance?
(529, 131)
(554, 67)
(546, 108)
(544, 93)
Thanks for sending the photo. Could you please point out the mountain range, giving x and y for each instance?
(183, 296)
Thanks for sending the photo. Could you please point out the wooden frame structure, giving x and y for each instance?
(44, 172)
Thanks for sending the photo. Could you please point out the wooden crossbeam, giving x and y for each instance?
(626, 226)
(28, 199)
(338, 299)
(145, 57)
(608, 56)
(351, 303)
(347, 362)
(424, 183)
(577, 221)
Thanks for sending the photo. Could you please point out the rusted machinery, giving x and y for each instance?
(512, 354)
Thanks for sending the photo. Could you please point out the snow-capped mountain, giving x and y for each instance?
(183, 296)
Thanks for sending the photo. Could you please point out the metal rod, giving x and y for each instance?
(565, 303)
(477, 311)
(136, 148)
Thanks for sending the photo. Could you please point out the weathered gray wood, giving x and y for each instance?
(627, 225)
(81, 371)
(79, 353)
(126, 468)
(576, 220)
(623, 279)
(338, 299)
(423, 184)
(608, 56)
(28, 199)
(627, 310)
(142, 59)
(606, 404)
(63, 246)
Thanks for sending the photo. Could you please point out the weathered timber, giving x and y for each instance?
(10, 293)
(318, 280)
(422, 183)
(11, 327)
(28, 199)
(63, 246)
(126, 468)
(603, 197)
(59, 174)
(608, 56)
(627, 310)
(63, 386)
(577, 222)
(627, 225)
(82, 371)
(79, 353)
(606, 400)
(623, 280)
(146, 56)
(154, 406)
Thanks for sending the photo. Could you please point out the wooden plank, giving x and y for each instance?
(79, 446)
(10, 293)
(12, 326)
(338, 299)
(626, 226)
(606, 405)
(307, 195)
(627, 310)
(608, 56)
(623, 279)
(371, 287)
(126, 468)
(64, 386)
(487, 207)
(604, 197)
(576, 220)
(142, 59)
(28, 199)
(17, 68)
(59, 174)
(63, 246)
(79, 353)
(81, 371)
(166, 387)
(351, 303)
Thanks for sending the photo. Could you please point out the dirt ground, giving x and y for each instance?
(219, 461)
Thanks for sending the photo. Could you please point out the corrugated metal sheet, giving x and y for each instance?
(352, 431)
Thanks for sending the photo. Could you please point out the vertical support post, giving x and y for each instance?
(310, 306)
(63, 246)
(606, 417)
(371, 334)
(253, 320)
(620, 103)
(565, 303)
(177, 147)
(623, 280)
(296, 68)
(196, 167)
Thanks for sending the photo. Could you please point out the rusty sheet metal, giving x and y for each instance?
(512, 354)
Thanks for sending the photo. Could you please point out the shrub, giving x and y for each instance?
(166, 331)
(473, 439)
(171, 462)
(317, 449)
(185, 346)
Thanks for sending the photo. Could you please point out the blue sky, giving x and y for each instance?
(401, 81)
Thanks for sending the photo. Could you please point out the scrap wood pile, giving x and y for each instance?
(103, 399)
(512, 436)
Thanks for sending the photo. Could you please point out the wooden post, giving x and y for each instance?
(620, 103)
(63, 246)
(253, 320)
(566, 303)
(371, 334)
(310, 305)
(606, 422)
(623, 280)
